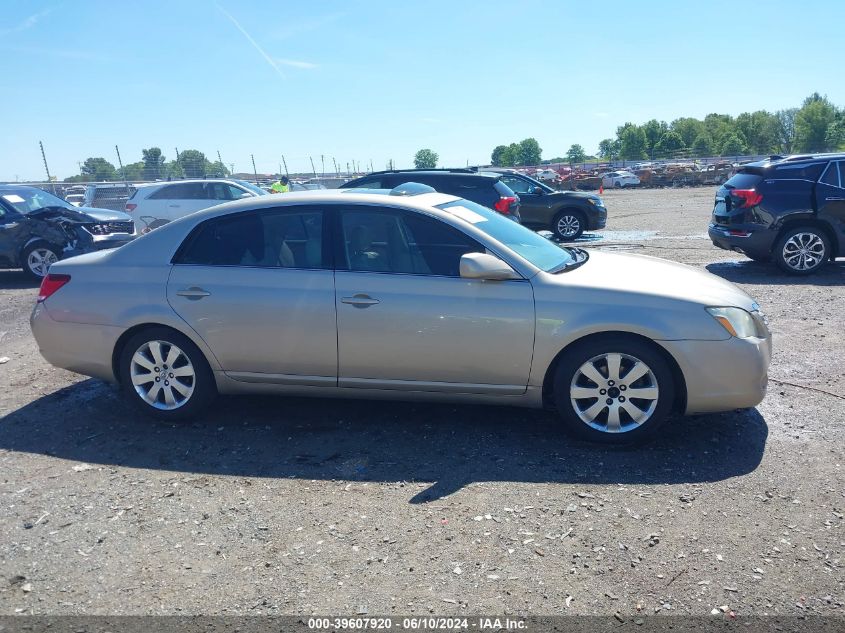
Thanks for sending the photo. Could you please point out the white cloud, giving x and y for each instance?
(294, 63)
(27, 23)
(273, 64)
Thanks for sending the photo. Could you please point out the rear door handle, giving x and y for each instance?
(834, 199)
(193, 293)
(360, 301)
(173, 206)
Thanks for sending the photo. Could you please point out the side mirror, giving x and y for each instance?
(537, 190)
(484, 266)
(245, 195)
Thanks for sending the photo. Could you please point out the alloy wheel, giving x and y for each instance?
(162, 375)
(568, 225)
(614, 393)
(40, 260)
(804, 251)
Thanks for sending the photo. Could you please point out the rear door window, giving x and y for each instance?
(800, 171)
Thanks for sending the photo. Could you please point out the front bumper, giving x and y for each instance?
(596, 218)
(723, 375)
(756, 243)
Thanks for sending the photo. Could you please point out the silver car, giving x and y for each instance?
(407, 294)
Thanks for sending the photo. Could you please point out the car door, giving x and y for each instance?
(13, 233)
(408, 321)
(534, 207)
(257, 286)
(830, 198)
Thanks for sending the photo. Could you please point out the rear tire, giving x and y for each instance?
(37, 258)
(802, 250)
(612, 369)
(568, 225)
(165, 375)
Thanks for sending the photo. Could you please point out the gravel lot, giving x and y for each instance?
(288, 506)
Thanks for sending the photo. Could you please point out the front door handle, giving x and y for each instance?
(173, 206)
(360, 301)
(834, 199)
(193, 293)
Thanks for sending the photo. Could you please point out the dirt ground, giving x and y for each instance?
(287, 506)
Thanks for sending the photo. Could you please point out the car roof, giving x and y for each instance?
(434, 172)
(160, 183)
(796, 158)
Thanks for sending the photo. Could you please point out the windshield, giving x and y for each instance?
(258, 191)
(29, 199)
(543, 253)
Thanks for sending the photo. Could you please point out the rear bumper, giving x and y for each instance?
(78, 347)
(723, 375)
(756, 242)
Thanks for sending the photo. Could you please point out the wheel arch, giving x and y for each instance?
(120, 344)
(678, 406)
(34, 241)
(815, 222)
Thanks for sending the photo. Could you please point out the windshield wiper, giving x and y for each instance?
(579, 257)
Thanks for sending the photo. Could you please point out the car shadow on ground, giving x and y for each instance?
(10, 279)
(447, 446)
(766, 273)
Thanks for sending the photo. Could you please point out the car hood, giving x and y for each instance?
(652, 276)
(82, 215)
(572, 194)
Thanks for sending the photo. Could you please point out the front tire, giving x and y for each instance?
(165, 375)
(614, 390)
(802, 250)
(37, 258)
(568, 225)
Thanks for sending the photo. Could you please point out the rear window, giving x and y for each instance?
(743, 180)
(503, 190)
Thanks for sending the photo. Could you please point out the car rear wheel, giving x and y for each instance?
(614, 390)
(568, 225)
(802, 250)
(165, 375)
(37, 259)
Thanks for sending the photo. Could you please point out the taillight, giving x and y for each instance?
(503, 205)
(748, 198)
(130, 207)
(50, 284)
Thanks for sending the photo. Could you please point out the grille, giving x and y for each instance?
(107, 228)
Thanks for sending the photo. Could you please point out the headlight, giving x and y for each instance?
(596, 201)
(740, 323)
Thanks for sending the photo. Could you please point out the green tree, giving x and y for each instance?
(133, 172)
(98, 169)
(425, 159)
(786, 129)
(632, 142)
(835, 137)
(576, 154)
(653, 130)
(702, 145)
(733, 145)
(153, 163)
(760, 130)
(668, 145)
(811, 123)
(688, 128)
(514, 155)
(498, 154)
(216, 168)
(719, 127)
(530, 152)
(609, 149)
(173, 170)
(192, 162)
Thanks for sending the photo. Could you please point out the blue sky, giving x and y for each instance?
(379, 80)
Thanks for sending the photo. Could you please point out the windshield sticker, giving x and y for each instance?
(12, 197)
(466, 214)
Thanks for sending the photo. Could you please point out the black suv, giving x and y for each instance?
(789, 209)
(566, 213)
(484, 188)
(38, 229)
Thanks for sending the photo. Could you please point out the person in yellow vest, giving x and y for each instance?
(281, 185)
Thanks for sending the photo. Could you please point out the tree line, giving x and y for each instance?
(190, 163)
(817, 126)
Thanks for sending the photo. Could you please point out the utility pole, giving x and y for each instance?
(254, 170)
(231, 168)
(336, 170)
(177, 154)
(46, 168)
(123, 169)
(220, 160)
(323, 161)
(347, 169)
(285, 163)
(313, 168)
(372, 169)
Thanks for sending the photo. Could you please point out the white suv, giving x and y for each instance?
(155, 204)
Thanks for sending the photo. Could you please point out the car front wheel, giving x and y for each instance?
(165, 375)
(37, 259)
(802, 250)
(614, 390)
(568, 225)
